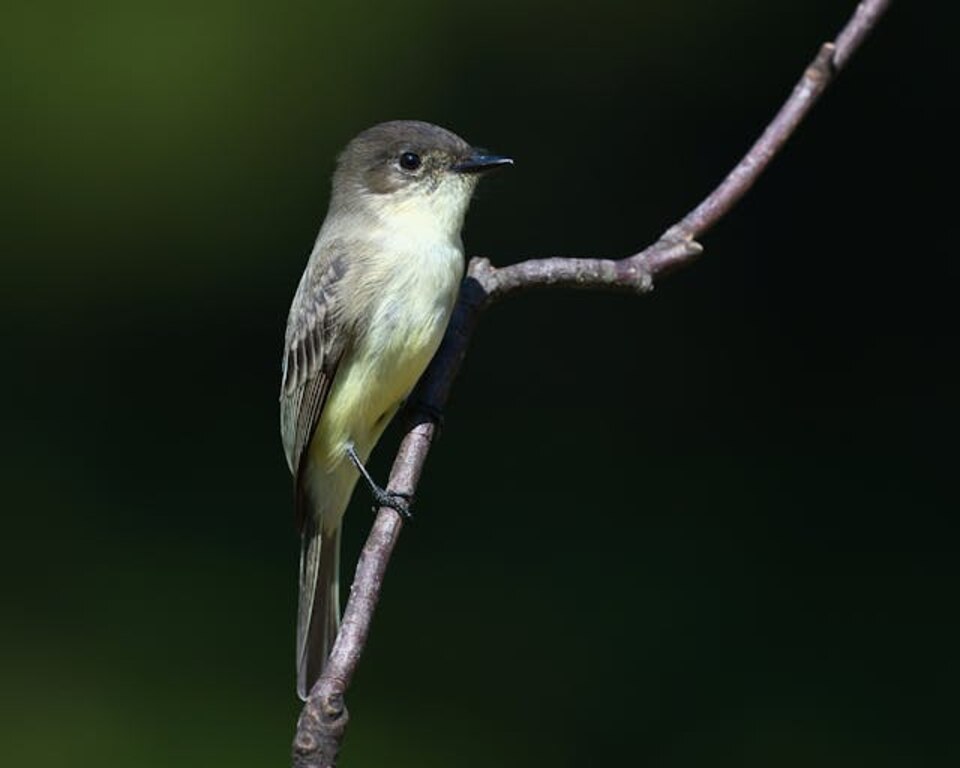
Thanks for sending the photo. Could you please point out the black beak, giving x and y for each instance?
(480, 161)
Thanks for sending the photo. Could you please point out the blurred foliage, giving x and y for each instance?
(710, 527)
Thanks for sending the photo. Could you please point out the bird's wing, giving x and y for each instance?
(315, 342)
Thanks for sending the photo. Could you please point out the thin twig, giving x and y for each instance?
(324, 717)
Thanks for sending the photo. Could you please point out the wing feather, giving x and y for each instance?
(315, 341)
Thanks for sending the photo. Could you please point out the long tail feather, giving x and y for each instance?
(318, 618)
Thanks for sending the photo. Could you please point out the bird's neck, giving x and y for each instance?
(420, 220)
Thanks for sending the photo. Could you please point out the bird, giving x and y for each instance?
(368, 315)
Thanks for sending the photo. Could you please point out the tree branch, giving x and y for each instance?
(324, 717)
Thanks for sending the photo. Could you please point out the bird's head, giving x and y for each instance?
(409, 168)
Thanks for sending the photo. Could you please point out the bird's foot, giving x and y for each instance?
(395, 500)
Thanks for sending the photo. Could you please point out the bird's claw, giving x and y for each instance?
(396, 500)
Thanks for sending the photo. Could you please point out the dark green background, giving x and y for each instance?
(714, 526)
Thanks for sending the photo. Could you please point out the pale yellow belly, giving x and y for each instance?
(371, 383)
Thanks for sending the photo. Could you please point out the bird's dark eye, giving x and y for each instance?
(410, 161)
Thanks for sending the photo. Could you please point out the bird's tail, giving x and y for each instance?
(318, 618)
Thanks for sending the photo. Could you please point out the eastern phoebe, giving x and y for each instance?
(367, 317)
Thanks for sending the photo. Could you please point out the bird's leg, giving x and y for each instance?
(399, 502)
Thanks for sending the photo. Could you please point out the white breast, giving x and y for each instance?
(410, 317)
